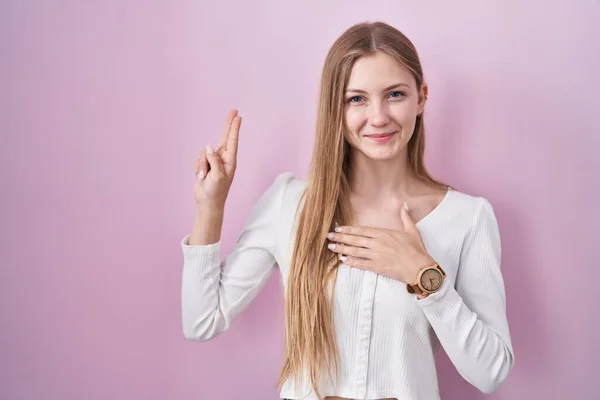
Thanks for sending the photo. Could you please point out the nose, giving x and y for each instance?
(378, 114)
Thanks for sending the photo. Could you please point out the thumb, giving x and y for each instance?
(409, 225)
(216, 166)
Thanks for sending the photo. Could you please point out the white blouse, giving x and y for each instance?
(387, 338)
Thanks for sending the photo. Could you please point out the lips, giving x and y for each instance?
(380, 135)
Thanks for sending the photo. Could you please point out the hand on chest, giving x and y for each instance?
(382, 241)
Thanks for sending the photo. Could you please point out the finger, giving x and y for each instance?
(350, 250)
(230, 116)
(201, 166)
(353, 240)
(407, 221)
(232, 139)
(361, 231)
(216, 166)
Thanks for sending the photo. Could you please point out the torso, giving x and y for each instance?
(378, 300)
(387, 216)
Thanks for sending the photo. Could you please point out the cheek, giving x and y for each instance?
(404, 116)
(355, 119)
(403, 112)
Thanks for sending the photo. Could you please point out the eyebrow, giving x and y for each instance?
(397, 85)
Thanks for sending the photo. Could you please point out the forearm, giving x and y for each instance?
(479, 348)
(208, 224)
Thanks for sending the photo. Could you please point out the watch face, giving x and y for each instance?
(431, 279)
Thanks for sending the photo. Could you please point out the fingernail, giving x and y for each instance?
(406, 206)
(338, 229)
(209, 150)
(330, 235)
(331, 246)
(201, 174)
(343, 258)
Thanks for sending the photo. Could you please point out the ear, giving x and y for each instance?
(423, 94)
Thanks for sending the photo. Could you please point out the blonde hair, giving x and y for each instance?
(309, 330)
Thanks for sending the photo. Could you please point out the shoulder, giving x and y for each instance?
(468, 204)
(283, 194)
(475, 213)
(287, 191)
(289, 187)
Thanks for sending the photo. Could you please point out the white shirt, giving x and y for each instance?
(387, 338)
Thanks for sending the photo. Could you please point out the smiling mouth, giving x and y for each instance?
(381, 137)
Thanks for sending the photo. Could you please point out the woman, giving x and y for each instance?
(381, 263)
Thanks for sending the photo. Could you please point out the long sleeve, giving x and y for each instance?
(214, 292)
(470, 318)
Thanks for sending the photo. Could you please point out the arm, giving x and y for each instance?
(213, 293)
(470, 320)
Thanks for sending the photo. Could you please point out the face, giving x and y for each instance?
(431, 280)
(381, 107)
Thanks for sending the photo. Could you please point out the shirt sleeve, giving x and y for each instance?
(214, 292)
(470, 318)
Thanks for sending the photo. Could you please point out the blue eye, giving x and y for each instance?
(354, 99)
(396, 94)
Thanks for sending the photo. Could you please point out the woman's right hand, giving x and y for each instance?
(215, 169)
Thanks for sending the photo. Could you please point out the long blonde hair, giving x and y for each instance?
(309, 335)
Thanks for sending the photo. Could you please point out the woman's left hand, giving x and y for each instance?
(396, 254)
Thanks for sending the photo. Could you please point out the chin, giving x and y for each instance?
(382, 154)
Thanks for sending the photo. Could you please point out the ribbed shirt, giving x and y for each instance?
(387, 338)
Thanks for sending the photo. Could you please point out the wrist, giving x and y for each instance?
(210, 206)
(422, 262)
(428, 279)
(211, 210)
(207, 225)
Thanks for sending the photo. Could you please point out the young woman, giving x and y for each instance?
(381, 263)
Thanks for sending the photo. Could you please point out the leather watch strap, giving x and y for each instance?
(414, 289)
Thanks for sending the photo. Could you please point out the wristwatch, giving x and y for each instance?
(429, 280)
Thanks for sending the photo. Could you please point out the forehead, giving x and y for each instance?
(378, 71)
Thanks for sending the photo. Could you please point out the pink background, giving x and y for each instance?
(105, 104)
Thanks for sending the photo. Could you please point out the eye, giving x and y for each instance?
(355, 99)
(397, 94)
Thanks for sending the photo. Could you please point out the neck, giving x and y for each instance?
(374, 179)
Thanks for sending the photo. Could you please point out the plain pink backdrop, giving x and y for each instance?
(105, 104)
